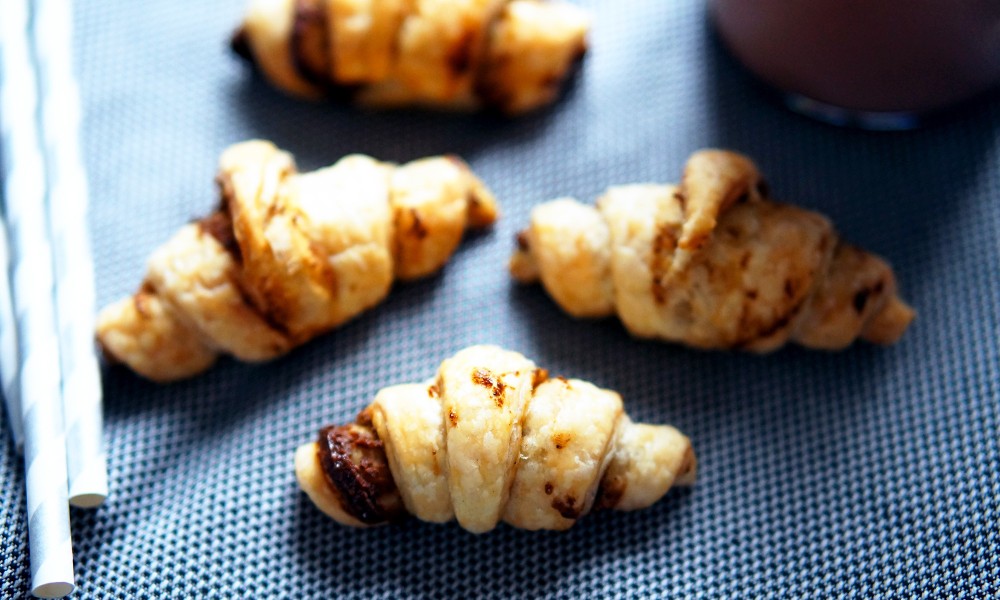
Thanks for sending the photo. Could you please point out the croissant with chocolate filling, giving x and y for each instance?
(492, 438)
(507, 55)
(289, 256)
(712, 263)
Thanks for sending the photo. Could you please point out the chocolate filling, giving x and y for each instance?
(664, 247)
(609, 493)
(240, 45)
(309, 36)
(523, 242)
(310, 42)
(459, 56)
(220, 226)
(354, 462)
(492, 91)
(774, 327)
(861, 298)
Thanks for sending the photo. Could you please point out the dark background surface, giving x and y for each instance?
(867, 473)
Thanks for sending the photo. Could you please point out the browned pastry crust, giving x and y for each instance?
(492, 438)
(507, 55)
(711, 263)
(289, 256)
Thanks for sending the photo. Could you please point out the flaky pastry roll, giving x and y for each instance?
(491, 438)
(712, 263)
(511, 56)
(289, 256)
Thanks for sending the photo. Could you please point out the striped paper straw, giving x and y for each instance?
(9, 356)
(49, 541)
(74, 268)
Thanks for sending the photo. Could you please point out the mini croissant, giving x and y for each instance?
(288, 256)
(507, 55)
(711, 263)
(492, 438)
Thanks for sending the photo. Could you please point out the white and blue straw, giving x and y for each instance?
(49, 541)
(74, 267)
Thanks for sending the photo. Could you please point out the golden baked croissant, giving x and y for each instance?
(491, 438)
(289, 256)
(507, 55)
(712, 263)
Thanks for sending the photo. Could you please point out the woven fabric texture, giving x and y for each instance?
(869, 473)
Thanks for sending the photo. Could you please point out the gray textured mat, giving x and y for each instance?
(868, 473)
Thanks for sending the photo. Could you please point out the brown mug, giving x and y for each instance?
(877, 63)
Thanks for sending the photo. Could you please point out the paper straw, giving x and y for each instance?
(9, 356)
(74, 268)
(49, 541)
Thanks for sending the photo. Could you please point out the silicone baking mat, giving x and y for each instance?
(867, 473)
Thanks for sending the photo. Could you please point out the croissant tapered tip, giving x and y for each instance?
(889, 325)
(687, 473)
(141, 332)
(309, 474)
(483, 210)
(523, 266)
